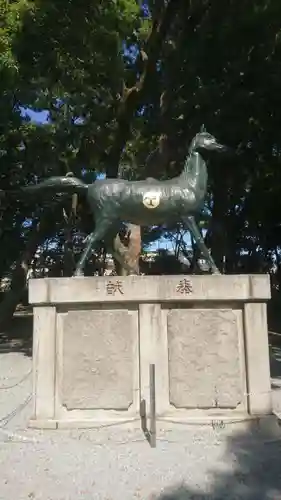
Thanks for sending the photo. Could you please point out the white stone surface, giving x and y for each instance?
(206, 336)
(98, 360)
(240, 287)
(44, 357)
(258, 369)
(204, 361)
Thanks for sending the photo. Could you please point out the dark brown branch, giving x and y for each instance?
(133, 97)
(130, 102)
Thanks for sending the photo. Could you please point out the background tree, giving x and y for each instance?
(130, 88)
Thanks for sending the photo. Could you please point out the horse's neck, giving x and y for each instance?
(195, 172)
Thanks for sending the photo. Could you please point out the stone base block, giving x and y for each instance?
(95, 338)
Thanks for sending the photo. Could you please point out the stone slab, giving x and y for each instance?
(44, 351)
(102, 289)
(258, 367)
(95, 338)
(204, 365)
(97, 360)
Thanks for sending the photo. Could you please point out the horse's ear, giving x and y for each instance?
(203, 128)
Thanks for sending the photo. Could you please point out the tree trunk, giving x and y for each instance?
(131, 250)
(69, 220)
(133, 97)
(218, 231)
(129, 103)
(38, 233)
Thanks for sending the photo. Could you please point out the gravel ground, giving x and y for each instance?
(117, 464)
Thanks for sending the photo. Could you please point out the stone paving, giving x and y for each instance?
(114, 463)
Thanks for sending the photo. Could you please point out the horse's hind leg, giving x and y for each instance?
(97, 235)
(191, 225)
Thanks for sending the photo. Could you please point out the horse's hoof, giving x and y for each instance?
(78, 274)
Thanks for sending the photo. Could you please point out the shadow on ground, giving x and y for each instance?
(255, 474)
(17, 335)
(254, 455)
(275, 361)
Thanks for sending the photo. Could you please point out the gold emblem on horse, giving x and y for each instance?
(151, 199)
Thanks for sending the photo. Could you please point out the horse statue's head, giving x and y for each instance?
(205, 141)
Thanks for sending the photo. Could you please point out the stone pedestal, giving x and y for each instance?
(94, 339)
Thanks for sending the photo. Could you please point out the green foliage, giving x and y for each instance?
(218, 65)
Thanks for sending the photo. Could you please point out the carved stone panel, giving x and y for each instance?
(204, 367)
(97, 360)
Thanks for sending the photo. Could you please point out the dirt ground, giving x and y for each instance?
(114, 463)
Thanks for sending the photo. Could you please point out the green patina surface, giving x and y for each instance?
(146, 202)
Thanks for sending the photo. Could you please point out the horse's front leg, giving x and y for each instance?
(191, 225)
(95, 237)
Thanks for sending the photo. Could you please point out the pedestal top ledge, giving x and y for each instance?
(96, 289)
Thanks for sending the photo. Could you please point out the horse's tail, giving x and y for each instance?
(60, 184)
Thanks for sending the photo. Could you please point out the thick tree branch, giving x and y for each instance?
(132, 98)
(129, 103)
(159, 159)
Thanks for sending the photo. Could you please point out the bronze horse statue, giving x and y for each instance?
(144, 203)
